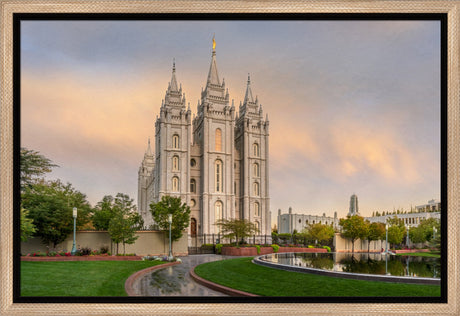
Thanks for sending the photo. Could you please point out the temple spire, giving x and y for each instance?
(149, 150)
(173, 84)
(213, 76)
(248, 97)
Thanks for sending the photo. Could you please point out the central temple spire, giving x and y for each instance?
(213, 75)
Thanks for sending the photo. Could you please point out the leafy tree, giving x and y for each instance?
(180, 215)
(237, 228)
(33, 166)
(319, 232)
(103, 213)
(353, 227)
(125, 221)
(396, 234)
(424, 231)
(50, 205)
(27, 225)
(376, 231)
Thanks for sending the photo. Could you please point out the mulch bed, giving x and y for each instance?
(83, 258)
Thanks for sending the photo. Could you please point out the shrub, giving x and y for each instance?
(104, 249)
(310, 246)
(258, 249)
(85, 251)
(219, 248)
(275, 248)
(327, 248)
(52, 254)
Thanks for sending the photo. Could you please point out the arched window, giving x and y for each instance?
(256, 189)
(306, 221)
(255, 168)
(192, 163)
(193, 186)
(192, 203)
(175, 163)
(256, 209)
(255, 149)
(218, 139)
(218, 176)
(218, 214)
(175, 141)
(257, 227)
(175, 184)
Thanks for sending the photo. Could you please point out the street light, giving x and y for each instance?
(74, 248)
(170, 257)
(386, 239)
(434, 232)
(407, 237)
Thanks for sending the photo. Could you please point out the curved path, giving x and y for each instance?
(175, 280)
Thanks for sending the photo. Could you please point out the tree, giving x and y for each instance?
(376, 231)
(103, 213)
(424, 231)
(237, 228)
(396, 234)
(319, 232)
(33, 165)
(180, 215)
(27, 225)
(125, 220)
(353, 227)
(50, 205)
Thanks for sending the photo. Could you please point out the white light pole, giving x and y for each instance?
(434, 232)
(170, 257)
(386, 239)
(407, 237)
(74, 248)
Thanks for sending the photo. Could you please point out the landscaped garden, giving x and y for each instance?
(78, 278)
(243, 275)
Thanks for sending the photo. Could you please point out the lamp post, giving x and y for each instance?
(434, 232)
(74, 248)
(386, 239)
(407, 237)
(170, 257)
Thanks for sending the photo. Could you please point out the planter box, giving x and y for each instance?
(252, 251)
(411, 250)
(298, 249)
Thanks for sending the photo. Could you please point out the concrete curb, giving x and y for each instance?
(83, 258)
(218, 287)
(133, 277)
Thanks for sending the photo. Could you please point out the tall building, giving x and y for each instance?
(354, 209)
(217, 162)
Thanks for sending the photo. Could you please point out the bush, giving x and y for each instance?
(219, 248)
(85, 251)
(310, 246)
(327, 248)
(104, 249)
(258, 249)
(275, 248)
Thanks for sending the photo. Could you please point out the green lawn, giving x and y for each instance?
(78, 278)
(243, 275)
(420, 254)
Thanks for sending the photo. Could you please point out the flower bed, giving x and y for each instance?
(411, 250)
(83, 258)
(252, 251)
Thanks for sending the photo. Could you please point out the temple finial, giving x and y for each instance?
(213, 42)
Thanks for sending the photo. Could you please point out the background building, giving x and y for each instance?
(289, 222)
(217, 162)
(354, 209)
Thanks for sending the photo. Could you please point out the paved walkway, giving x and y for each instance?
(176, 280)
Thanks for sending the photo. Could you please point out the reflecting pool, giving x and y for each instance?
(364, 263)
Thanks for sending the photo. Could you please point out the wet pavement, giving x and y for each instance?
(176, 280)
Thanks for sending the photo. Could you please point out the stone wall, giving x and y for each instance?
(148, 243)
(342, 244)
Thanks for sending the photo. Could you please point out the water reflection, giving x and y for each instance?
(362, 263)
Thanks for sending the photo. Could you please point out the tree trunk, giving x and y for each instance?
(124, 252)
(368, 245)
(117, 248)
(352, 246)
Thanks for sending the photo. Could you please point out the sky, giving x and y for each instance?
(354, 106)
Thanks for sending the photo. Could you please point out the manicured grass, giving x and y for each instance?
(78, 278)
(242, 274)
(420, 254)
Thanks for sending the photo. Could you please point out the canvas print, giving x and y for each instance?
(247, 158)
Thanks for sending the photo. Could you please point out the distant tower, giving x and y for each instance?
(354, 209)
